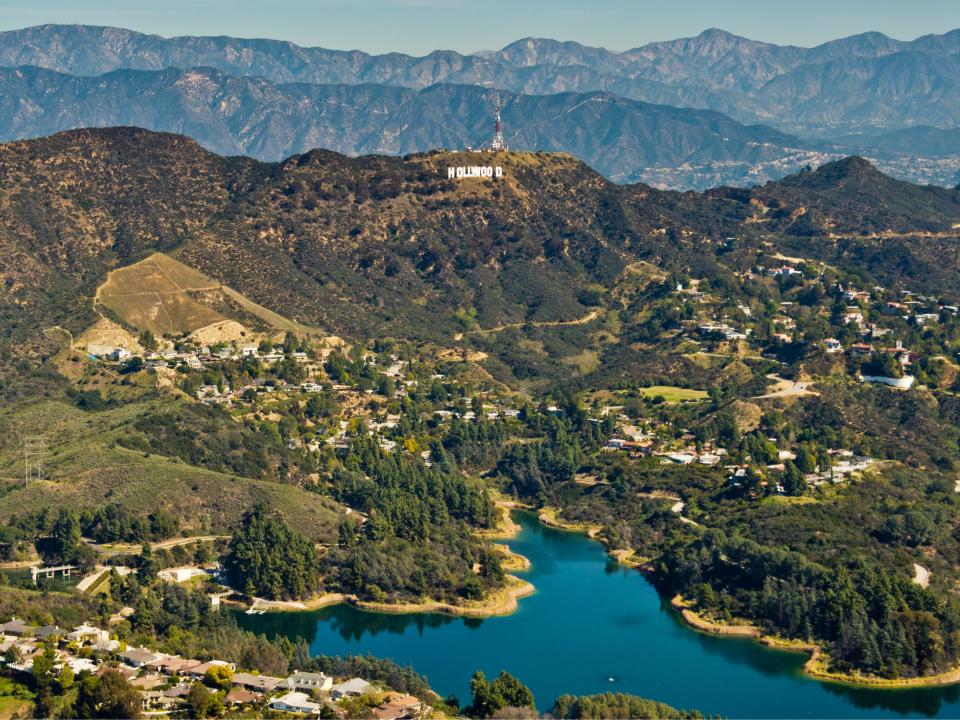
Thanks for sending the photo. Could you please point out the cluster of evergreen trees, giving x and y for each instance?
(871, 619)
(615, 706)
(417, 536)
(112, 523)
(491, 697)
(268, 559)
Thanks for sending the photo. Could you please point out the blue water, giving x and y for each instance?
(591, 627)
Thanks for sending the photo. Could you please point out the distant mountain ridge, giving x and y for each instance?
(901, 82)
(234, 115)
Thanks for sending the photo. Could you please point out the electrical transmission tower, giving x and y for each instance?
(34, 453)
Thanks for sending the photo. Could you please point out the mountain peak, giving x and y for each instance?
(718, 34)
(849, 167)
(846, 172)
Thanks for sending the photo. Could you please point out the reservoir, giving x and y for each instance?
(591, 627)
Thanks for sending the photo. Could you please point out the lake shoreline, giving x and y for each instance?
(496, 604)
(817, 663)
(815, 667)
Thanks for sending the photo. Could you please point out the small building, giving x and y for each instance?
(309, 681)
(181, 574)
(198, 671)
(239, 696)
(398, 706)
(784, 271)
(49, 632)
(155, 700)
(256, 683)
(16, 627)
(129, 673)
(173, 664)
(853, 316)
(88, 633)
(137, 657)
(178, 692)
(295, 702)
(79, 664)
(101, 351)
(832, 345)
(355, 687)
(150, 681)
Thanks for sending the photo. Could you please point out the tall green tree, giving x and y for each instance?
(107, 696)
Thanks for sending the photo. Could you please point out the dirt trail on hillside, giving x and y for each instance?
(590, 316)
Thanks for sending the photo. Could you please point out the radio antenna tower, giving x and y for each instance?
(497, 144)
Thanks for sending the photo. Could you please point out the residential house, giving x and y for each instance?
(155, 700)
(137, 657)
(354, 687)
(398, 706)
(296, 702)
(832, 345)
(853, 315)
(79, 664)
(129, 673)
(16, 627)
(173, 664)
(88, 633)
(308, 681)
(198, 671)
(49, 632)
(239, 696)
(256, 683)
(785, 271)
(149, 681)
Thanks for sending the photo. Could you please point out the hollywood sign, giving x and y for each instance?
(474, 171)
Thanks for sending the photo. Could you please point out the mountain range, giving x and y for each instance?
(386, 246)
(234, 115)
(863, 81)
(691, 113)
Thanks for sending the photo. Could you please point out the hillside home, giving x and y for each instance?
(49, 632)
(200, 670)
(399, 707)
(239, 696)
(295, 702)
(88, 633)
(309, 681)
(256, 683)
(16, 627)
(853, 315)
(355, 687)
(137, 657)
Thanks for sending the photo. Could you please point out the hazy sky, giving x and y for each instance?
(418, 26)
